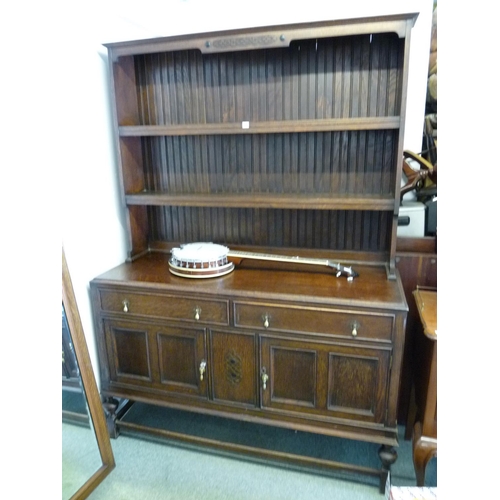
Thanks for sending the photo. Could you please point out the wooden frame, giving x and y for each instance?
(89, 386)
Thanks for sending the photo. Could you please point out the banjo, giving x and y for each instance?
(209, 260)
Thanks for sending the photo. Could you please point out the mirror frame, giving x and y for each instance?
(89, 386)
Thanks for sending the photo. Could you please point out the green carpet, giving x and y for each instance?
(149, 470)
(259, 436)
(353, 452)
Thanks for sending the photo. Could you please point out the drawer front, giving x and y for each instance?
(355, 324)
(165, 306)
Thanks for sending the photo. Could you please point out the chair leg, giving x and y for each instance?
(423, 450)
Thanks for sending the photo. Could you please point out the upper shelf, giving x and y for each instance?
(261, 127)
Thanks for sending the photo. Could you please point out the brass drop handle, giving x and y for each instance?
(266, 321)
(125, 306)
(197, 313)
(354, 331)
(264, 377)
(203, 366)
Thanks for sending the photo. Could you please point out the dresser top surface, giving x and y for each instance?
(370, 289)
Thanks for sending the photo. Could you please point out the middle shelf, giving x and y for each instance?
(264, 200)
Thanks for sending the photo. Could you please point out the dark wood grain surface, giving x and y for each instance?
(370, 289)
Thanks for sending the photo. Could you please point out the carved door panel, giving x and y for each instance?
(341, 380)
(169, 358)
(234, 370)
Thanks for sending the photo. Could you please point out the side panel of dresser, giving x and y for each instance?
(328, 370)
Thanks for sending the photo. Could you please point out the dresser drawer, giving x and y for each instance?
(165, 306)
(355, 324)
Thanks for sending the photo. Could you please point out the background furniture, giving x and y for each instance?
(286, 140)
(416, 261)
(425, 429)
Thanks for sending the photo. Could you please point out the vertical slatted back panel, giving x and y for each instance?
(321, 78)
(344, 77)
(330, 162)
(353, 231)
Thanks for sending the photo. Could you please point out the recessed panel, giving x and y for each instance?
(293, 376)
(177, 359)
(132, 357)
(352, 383)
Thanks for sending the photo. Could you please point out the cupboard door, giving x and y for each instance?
(182, 360)
(162, 357)
(233, 359)
(330, 380)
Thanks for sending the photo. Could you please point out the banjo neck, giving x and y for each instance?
(276, 258)
(341, 269)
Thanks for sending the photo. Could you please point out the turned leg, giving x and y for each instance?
(423, 450)
(388, 455)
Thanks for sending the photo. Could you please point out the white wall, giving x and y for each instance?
(92, 227)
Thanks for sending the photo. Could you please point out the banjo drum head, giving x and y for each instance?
(200, 260)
